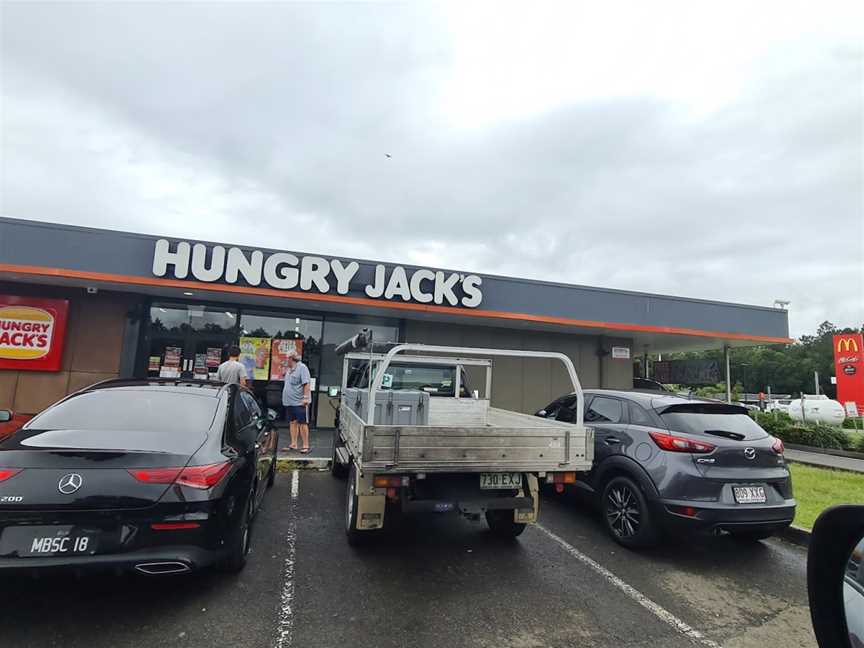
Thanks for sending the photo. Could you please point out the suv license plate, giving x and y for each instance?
(500, 480)
(749, 494)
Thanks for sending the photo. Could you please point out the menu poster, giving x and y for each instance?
(173, 355)
(214, 357)
(153, 363)
(200, 369)
(279, 357)
(255, 357)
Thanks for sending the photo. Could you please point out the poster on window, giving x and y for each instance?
(214, 357)
(279, 356)
(200, 367)
(173, 355)
(255, 357)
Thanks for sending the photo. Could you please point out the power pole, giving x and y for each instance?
(726, 354)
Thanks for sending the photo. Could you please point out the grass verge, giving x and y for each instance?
(819, 488)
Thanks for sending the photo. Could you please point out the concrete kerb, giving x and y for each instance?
(284, 465)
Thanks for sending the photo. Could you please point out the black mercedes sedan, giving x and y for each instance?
(160, 477)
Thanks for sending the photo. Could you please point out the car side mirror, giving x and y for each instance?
(272, 415)
(5, 416)
(835, 577)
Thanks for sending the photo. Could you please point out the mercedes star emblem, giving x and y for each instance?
(750, 453)
(70, 483)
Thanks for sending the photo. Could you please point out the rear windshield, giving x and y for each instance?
(130, 410)
(700, 419)
(438, 381)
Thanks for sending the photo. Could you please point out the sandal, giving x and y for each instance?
(305, 451)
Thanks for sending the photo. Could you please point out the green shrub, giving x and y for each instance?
(773, 422)
(853, 424)
(818, 436)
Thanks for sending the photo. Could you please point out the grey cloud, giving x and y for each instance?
(291, 108)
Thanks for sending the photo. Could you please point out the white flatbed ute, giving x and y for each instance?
(424, 443)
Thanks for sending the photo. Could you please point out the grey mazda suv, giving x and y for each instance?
(669, 463)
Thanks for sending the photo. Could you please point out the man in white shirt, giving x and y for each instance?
(232, 371)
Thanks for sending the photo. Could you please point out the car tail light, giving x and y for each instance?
(673, 443)
(390, 481)
(202, 477)
(778, 446)
(686, 511)
(8, 473)
(155, 475)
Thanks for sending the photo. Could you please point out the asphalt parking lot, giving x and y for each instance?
(434, 582)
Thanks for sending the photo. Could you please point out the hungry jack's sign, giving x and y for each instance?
(32, 333)
(286, 271)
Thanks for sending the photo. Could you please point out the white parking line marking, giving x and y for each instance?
(285, 627)
(660, 612)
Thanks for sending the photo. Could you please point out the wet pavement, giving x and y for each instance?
(430, 581)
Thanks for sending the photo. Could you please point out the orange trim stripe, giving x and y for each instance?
(364, 301)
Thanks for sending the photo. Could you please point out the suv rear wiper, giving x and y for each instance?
(723, 433)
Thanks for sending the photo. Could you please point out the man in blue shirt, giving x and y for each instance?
(296, 396)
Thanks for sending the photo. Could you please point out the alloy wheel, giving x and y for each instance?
(623, 511)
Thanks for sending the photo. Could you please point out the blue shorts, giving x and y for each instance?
(295, 413)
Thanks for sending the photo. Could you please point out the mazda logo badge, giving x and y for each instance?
(750, 453)
(70, 483)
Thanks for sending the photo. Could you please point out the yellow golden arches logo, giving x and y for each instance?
(25, 332)
(847, 344)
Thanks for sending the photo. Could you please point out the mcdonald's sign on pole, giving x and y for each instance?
(849, 367)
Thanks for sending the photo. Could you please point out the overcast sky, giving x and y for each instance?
(705, 150)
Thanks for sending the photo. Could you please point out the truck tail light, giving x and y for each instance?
(561, 478)
(390, 481)
(672, 443)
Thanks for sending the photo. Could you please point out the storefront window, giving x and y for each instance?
(173, 318)
(266, 339)
(189, 341)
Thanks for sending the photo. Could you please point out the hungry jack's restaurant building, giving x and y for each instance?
(80, 305)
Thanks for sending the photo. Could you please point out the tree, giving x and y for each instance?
(788, 369)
